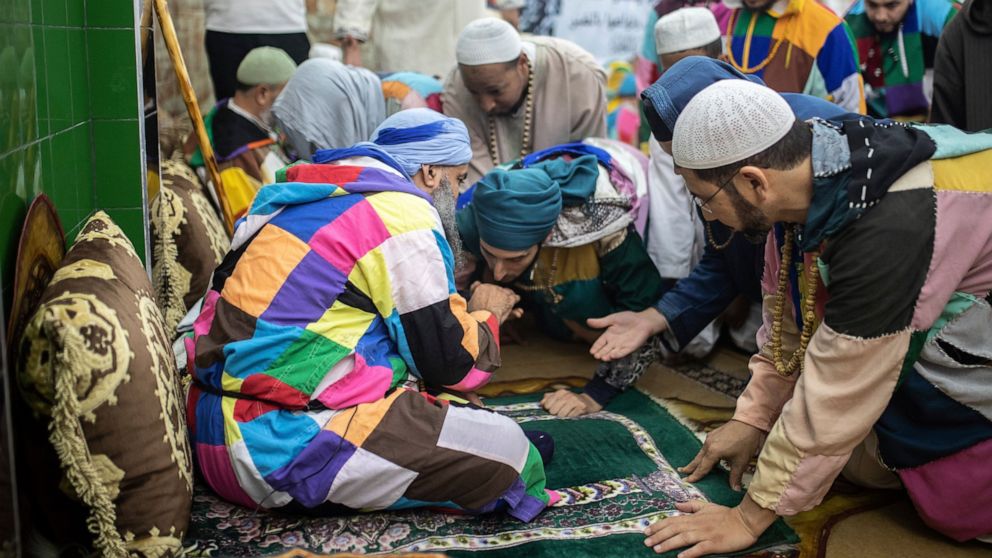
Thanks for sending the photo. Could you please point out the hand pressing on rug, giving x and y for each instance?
(736, 442)
(564, 403)
(625, 332)
(708, 528)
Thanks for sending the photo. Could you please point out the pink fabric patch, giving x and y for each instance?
(962, 254)
(472, 381)
(201, 326)
(353, 234)
(215, 464)
(553, 497)
(364, 384)
(810, 482)
(954, 495)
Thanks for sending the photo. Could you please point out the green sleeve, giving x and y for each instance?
(629, 276)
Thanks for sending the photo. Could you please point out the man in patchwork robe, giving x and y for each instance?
(335, 306)
(879, 241)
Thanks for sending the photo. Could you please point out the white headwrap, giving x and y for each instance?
(487, 41)
(327, 104)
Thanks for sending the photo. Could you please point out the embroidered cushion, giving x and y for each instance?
(188, 241)
(95, 363)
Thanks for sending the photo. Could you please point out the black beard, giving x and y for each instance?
(444, 203)
(754, 224)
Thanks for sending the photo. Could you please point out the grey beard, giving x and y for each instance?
(444, 203)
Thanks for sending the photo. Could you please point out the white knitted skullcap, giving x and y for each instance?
(487, 41)
(685, 29)
(727, 122)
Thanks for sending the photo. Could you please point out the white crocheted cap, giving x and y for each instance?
(727, 122)
(684, 29)
(487, 41)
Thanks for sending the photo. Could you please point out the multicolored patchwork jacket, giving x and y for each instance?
(904, 348)
(893, 64)
(337, 296)
(797, 46)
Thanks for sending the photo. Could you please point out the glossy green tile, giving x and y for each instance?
(36, 11)
(113, 74)
(110, 13)
(117, 164)
(64, 185)
(55, 13)
(132, 222)
(76, 12)
(78, 75)
(20, 10)
(57, 72)
(41, 81)
(27, 82)
(82, 147)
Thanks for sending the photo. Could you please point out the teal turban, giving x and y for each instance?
(516, 209)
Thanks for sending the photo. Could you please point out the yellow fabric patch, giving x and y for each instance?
(263, 268)
(357, 423)
(969, 173)
(808, 30)
(342, 324)
(574, 264)
(402, 213)
(239, 189)
(373, 264)
(232, 433)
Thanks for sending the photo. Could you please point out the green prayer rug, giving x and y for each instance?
(615, 471)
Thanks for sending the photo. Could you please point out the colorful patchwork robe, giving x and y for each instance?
(337, 296)
(892, 64)
(797, 46)
(904, 343)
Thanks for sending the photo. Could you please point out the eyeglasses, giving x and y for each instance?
(702, 204)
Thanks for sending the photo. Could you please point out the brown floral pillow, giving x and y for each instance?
(95, 361)
(188, 241)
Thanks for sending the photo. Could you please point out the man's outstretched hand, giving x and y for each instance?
(737, 442)
(709, 528)
(565, 403)
(625, 332)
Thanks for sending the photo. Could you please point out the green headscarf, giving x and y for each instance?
(516, 209)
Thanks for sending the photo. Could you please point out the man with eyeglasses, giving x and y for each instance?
(731, 263)
(877, 335)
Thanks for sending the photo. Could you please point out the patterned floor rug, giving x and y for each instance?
(614, 470)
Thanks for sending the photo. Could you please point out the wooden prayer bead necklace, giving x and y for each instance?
(712, 239)
(528, 118)
(778, 313)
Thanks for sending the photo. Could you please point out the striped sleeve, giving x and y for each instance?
(837, 62)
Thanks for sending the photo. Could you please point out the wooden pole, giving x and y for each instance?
(189, 96)
(146, 31)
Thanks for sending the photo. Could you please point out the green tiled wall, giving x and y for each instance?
(70, 117)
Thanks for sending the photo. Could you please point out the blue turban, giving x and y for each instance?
(515, 210)
(422, 136)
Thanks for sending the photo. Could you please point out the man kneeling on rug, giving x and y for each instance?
(336, 299)
(561, 233)
(879, 233)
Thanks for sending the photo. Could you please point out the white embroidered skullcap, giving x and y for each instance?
(727, 122)
(685, 29)
(487, 41)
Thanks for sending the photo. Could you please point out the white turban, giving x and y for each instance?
(684, 29)
(487, 41)
(728, 122)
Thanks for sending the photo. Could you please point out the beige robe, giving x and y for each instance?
(569, 105)
(407, 36)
